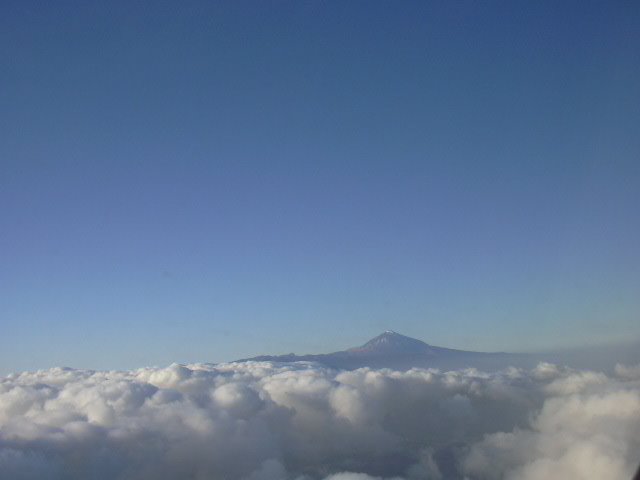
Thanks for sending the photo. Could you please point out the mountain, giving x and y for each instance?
(392, 343)
(393, 350)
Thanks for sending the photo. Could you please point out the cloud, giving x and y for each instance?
(302, 421)
(628, 372)
(588, 428)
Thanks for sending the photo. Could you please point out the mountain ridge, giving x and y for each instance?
(394, 350)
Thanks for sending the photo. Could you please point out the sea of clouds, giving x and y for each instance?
(268, 421)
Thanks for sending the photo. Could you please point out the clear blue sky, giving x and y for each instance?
(202, 181)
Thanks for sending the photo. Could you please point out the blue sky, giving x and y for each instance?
(212, 180)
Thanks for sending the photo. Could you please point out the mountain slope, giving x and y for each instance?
(393, 350)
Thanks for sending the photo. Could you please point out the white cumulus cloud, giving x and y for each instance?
(270, 421)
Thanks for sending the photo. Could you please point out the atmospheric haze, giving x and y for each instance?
(270, 420)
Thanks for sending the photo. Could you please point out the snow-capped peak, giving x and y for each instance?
(392, 342)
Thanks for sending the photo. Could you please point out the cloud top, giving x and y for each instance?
(268, 421)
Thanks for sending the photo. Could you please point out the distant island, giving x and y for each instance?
(394, 350)
(399, 352)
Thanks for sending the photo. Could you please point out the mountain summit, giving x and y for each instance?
(391, 342)
(393, 350)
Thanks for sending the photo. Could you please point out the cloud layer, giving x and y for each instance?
(263, 421)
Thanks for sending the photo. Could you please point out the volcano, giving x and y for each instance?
(394, 350)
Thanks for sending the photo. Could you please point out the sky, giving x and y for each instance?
(207, 181)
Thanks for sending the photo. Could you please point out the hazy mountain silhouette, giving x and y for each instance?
(393, 350)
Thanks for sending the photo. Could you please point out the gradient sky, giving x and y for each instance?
(202, 181)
